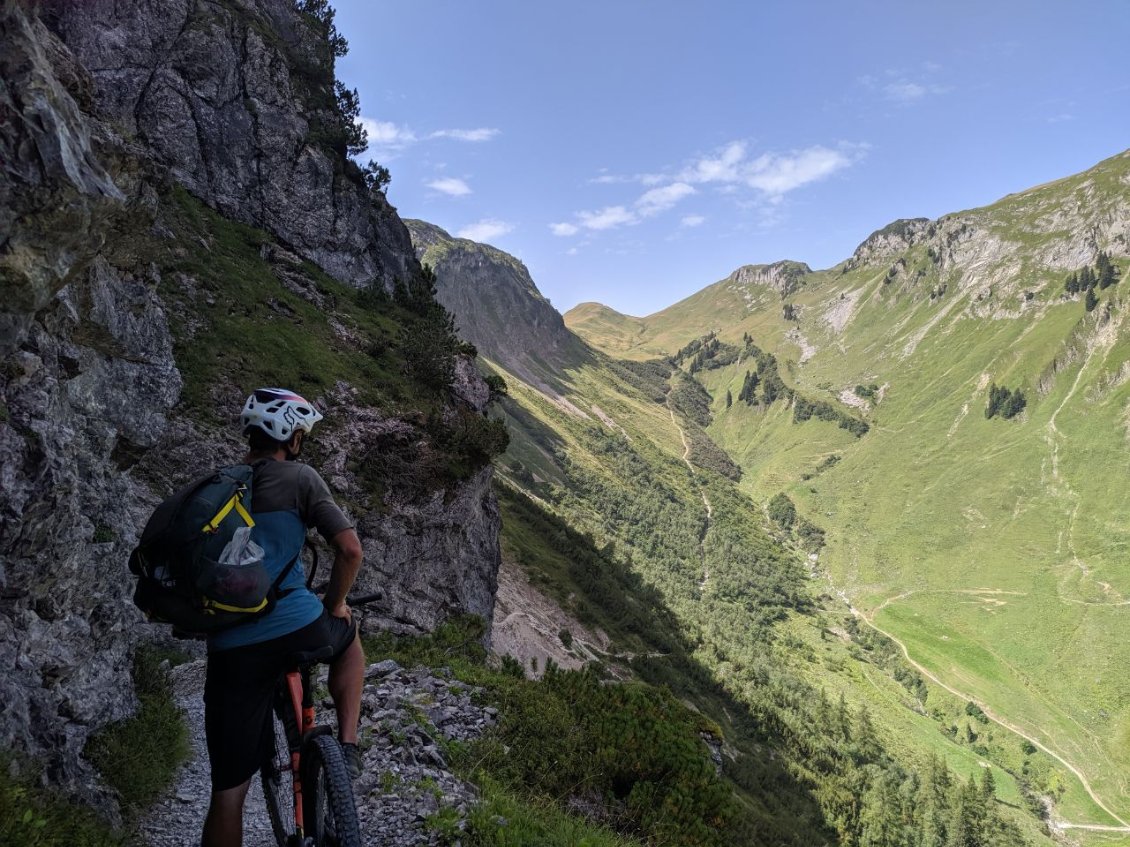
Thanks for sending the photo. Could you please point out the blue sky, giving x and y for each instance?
(632, 151)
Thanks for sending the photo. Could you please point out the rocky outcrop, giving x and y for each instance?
(891, 241)
(92, 428)
(57, 201)
(231, 97)
(783, 277)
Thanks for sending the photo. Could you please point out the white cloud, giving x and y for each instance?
(485, 229)
(661, 199)
(451, 186)
(904, 92)
(474, 135)
(386, 138)
(777, 174)
(728, 170)
(724, 167)
(904, 86)
(388, 135)
(609, 217)
(774, 174)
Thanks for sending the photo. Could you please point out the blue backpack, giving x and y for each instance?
(196, 565)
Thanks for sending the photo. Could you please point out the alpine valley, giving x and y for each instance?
(892, 488)
(825, 557)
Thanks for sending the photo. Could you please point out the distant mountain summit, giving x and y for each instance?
(496, 305)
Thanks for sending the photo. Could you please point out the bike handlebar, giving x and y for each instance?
(362, 599)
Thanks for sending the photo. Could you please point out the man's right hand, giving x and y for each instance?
(341, 610)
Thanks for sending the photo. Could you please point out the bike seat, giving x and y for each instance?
(311, 657)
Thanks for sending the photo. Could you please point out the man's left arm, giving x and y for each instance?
(347, 562)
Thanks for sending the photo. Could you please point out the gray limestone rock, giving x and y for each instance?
(229, 96)
(91, 436)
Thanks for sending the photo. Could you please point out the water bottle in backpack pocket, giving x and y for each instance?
(196, 565)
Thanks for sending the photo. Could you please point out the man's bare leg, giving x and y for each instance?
(224, 825)
(347, 679)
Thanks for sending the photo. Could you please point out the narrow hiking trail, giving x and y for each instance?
(1011, 727)
(702, 584)
(1098, 349)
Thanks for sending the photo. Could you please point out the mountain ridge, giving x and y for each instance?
(949, 528)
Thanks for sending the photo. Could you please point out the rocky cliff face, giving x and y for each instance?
(783, 277)
(93, 430)
(496, 304)
(230, 96)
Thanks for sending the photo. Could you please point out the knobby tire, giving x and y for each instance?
(327, 795)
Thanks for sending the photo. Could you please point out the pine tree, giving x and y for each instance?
(729, 399)
(1105, 271)
(1091, 300)
(1071, 284)
(988, 787)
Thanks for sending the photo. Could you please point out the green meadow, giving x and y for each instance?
(994, 549)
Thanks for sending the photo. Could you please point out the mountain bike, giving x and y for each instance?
(306, 784)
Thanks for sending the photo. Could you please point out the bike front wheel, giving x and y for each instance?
(329, 813)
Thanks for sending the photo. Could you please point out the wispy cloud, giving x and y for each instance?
(609, 217)
(727, 170)
(723, 166)
(648, 204)
(451, 186)
(906, 87)
(388, 139)
(904, 92)
(779, 173)
(773, 174)
(485, 229)
(473, 135)
(661, 199)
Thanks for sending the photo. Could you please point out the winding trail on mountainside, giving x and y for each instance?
(702, 493)
(1124, 827)
(1099, 348)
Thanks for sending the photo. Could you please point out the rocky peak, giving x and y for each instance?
(496, 304)
(892, 240)
(784, 277)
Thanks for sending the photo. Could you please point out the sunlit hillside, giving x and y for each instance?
(994, 548)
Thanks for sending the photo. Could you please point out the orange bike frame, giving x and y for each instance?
(306, 710)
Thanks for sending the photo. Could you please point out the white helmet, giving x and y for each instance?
(278, 413)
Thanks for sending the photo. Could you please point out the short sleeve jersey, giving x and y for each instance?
(287, 498)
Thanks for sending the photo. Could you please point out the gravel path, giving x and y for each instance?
(176, 821)
(405, 716)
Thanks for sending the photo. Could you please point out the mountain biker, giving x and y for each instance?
(246, 661)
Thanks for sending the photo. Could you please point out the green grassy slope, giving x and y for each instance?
(994, 549)
(755, 622)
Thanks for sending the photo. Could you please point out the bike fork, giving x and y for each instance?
(298, 699)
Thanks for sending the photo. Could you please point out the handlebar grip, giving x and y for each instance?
(362, 599)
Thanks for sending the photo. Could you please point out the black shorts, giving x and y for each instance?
(239, 691)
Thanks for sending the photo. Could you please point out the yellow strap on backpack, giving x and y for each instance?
(236, 502)
(211, 606)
